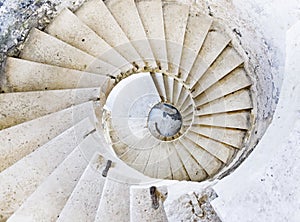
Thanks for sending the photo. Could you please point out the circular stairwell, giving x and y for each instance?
(102, 100)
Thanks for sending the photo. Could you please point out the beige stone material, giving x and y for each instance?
(197, 28)
(44, 48)
(39, 103)
(20, 140)
(83, 203)
(21, 179)
(95, 14)
(141, 204)
(232, 137)
(127, 16)
(50, 197)
(169, 82)
(208, 162)
(164, 169)
(151, 15)
(221, 151)
(227, 61)
(23, 75)
(213, 45)
(232, 82)
(158, 80)
(68, 28)
(175, 21)
(238, 120)
(239, 100)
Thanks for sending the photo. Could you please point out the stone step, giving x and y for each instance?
(43, 48)
(177, 166)
(177, 88)
(20, 140)
(21, 179)
(190, 164)
(214, 43)
(196, 31)
(169, 82)
(132, 26)
(141, 204)
(23, 75)
(164, 170)
(227, 61)
(39, 103)
(96, 15)
(50, 197)
(219, 150)
(83, 203)
(237, 120)
(239, 100)
(151, 15)
(234, 81)
(187, 104)
(209, 163)
(232, 137)
(68, 28)
(183, 96)
(175, 20)
(153, 162)
(158, 80)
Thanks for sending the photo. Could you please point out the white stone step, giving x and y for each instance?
(183, 96)
(68, 28)
(158, 80)
(24, 106)
(83, 203)
(153, 162)
(197, 28)
(169, 82)
(175, 20)
(208, 162)
(177, 166)
(23, 75)
(192, 167)
(20, 140)
(177, 87)
(21, 179)
(187, 104)
(151, 15)
(127, 16)
(188, 110)
(164, 170)
(141, 204)
(239, 100)
(44, 48)
(234, 81)
(221, 151)
(227, 61)
(213, 45)
(95, 14)
(47, 201)
(232, 137)
(238, 120)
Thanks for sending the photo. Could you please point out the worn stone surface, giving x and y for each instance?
(193, 206)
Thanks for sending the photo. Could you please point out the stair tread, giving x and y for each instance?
(44, 48)
(21, 179)
(197, 28)
(39, 103)
(84, 200)
(234, 81)
(50, 197)
(213, 45)
(127, 16)
(239, 100)
(141, 204)
(164, 170)
(96, 15)
(23, 75)
(151, 15)
(227, 61)
(219, 150)
(208, 162)
(192, 167)
(68, 28)
(18, 141)
(175, 20)
(232, 137)
(158, 81)
(238, 120)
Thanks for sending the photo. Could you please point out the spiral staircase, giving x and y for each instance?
(115, 98)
